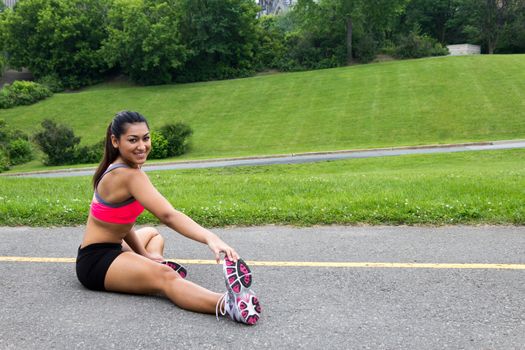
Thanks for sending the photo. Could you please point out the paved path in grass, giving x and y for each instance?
(301, 158)
(321, 288)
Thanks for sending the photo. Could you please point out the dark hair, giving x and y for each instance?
(117, 127)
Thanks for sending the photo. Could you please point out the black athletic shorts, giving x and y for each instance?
(93, 262)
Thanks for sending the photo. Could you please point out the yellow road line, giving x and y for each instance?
(303, 263)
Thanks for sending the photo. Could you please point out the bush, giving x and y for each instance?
(90, 154)
(4, 160)
(414, 45)
(159, 146)
(15, 147)
(3, 62)
(176, 136)
(22, 93)
(52, 82)
(58, 142)
(19, 151)
(366, 48)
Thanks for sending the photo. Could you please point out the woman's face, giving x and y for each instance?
(135, 144)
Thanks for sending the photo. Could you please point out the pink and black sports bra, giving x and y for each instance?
(117, 213)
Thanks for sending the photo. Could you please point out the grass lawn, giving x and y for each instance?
(467, 188)
(413, 102)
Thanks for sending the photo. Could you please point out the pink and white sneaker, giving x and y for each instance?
(240, 302)
(177, 267)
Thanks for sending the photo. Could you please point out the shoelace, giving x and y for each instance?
(218, 308)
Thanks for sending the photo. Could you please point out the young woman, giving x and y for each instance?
(114, 256)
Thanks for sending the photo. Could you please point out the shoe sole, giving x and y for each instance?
(238, 276)
(250, 308)
(181, 270)
(238, 281)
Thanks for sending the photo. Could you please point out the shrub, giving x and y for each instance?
(15, 147)
(366, 48)
(4, 133)
(4, 160)
(58, 142)
(22, 93)
(19, 151)
(90, 154)
(159, 146)
(414, 45)
(176, 136)
(52, 82)
(3, 63)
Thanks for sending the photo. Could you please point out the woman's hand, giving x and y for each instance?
(217, 246)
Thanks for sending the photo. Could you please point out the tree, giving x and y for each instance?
(144, 41)
(222, 37)
(432, 17)
(60, 38)
(487, 20)
(376, 14)
(513, 37)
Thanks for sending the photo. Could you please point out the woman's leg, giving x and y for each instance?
(133, 273)
(151, 240)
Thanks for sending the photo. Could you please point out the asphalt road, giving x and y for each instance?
(305, 305)
(300, 158)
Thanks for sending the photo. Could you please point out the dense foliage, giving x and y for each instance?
(57, 37)
(22, 93)
(3, 63)
(144, 41)
(15, 147)
(58, 142)
(177, 138)
(71, 43)
(221, 37)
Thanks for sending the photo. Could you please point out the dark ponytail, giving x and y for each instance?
(117, 127)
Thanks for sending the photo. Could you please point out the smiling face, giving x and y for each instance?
(134, 145)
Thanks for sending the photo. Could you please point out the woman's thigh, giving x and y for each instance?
(133, 273)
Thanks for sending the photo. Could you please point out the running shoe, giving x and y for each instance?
(177, 267)
(240, 302)
(244, 308)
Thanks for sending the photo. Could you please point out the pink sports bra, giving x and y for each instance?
(117, 213)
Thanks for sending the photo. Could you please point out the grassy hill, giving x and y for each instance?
(426, 101)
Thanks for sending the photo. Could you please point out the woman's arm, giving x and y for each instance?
(143, 190)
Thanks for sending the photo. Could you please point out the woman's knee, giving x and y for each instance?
(148, 232)
(149, 235)
(166, 275)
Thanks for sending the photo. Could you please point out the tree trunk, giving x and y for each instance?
(491, 47)
(349, 27)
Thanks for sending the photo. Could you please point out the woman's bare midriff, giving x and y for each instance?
(103, 232)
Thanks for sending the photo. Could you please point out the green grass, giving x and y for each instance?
(414, 102)
(467, 188)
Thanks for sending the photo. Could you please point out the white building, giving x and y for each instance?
(9, 3)
(463, 49)
(275, 7)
